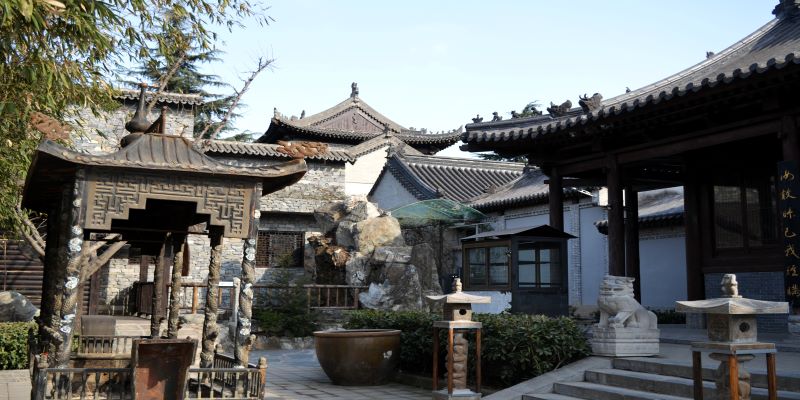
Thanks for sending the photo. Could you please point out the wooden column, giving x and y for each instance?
(616, 228)
(53, 274)
(178, 243)
(210, 330)
(244, 340)
(632, 240)
(789, 139)
(556, 199)
(158, 282)
(72, 272)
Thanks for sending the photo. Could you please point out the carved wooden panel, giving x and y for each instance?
(111, 195)
(352, 121)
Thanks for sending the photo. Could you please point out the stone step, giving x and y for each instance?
(548, 396)
(787, 380)
(663, 384)
(596, 391)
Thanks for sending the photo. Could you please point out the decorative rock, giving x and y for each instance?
(390, 255)
(15, 307)
(358, 208)
(626, 328)
(378, 232)
(357, 270)
(424, 258)
(344, 234)
(328, 215)
(400, 290)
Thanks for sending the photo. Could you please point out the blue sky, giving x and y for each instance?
(435, 64)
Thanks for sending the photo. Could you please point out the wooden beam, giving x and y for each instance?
(244, 340)
(210, 330)
(158, 282)
(556, 201)
(178, 244)
(632, 240)
(616, 228)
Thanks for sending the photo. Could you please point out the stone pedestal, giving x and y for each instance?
(624, 342)
(722, 376)
(459, 394)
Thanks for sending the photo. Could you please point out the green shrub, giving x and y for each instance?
(14, 344)
(514, 347)
(669, 316)
(287, 314)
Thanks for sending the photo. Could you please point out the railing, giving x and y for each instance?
(82, 383)
(192, 294)
(115, 344)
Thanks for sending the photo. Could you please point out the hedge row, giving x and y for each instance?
(514, 347)
(14, 345)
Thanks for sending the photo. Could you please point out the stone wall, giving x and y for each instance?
(101, 133)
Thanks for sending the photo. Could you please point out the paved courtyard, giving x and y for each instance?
(292, 374)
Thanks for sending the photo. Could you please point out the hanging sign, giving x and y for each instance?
(788, 186)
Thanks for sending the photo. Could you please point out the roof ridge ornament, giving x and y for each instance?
(302, 150)
(559, 110)
(787, 9)
(354, 90)
(589, 104)
(477, 119)
(139, 122)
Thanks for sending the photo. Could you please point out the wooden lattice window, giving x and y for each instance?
(279, 249)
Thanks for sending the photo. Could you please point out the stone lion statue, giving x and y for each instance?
(618, 307)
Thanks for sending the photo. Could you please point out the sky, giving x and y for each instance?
(436, 64)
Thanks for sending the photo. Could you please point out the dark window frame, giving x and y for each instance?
(538, 246)
(468, 284)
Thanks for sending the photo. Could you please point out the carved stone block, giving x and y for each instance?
(625, 342)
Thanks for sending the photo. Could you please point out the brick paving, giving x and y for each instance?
(291, 374)
(295, 374)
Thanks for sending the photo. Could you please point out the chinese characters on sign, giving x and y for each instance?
(788, 186)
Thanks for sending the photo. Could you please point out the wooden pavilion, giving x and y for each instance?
(151, 193)
(719, 129)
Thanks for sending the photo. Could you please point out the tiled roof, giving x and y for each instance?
(167, 153)
(267, 150)
(663, 207)
(175, 98)
(459, 179)
(528, 189)
(774, 46)
(354, 120)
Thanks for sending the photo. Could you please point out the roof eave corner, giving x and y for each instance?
(787, 9)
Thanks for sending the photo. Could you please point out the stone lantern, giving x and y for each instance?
(457, 319)
(732, 339)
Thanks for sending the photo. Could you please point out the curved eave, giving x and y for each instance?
(710, 73)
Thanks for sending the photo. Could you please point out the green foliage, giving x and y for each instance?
(288, 314)
(57, 56)
(14, 344)
(514, 348)
(669, 316)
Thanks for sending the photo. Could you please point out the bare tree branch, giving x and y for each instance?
(30, 232)
(162, 83)
(262, 65)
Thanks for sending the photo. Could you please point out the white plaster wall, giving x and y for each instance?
(501, 301)
(594, 254)
(662, 255)
(361, 175)
(390, 194)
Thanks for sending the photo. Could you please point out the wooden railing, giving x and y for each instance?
(320, 297)
(106, 344)
(82, 383)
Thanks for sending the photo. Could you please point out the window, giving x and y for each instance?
(487, 266)
(744, 213)
(539, 265)
(279, 249)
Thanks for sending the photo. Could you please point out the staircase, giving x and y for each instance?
(655, 379)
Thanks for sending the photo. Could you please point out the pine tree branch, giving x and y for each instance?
(262, 65)
(164, 80)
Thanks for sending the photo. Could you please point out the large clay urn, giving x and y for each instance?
(358, 357)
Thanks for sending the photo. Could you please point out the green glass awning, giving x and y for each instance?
(436, 212)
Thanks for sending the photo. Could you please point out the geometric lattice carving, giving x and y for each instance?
(111, 195)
